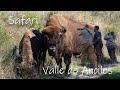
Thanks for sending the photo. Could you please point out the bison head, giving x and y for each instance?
(54, 35)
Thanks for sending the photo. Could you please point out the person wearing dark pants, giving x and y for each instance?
(111, 46)
(87, 46)
(98, 45)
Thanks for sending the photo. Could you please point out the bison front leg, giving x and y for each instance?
(43, 58)
(37, 59)
(67, 60)
(59, 62)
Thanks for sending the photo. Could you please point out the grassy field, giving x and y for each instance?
(10, 35)
(115, 72)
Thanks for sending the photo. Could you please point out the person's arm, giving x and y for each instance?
(114, 37)
(98, 37)
(106, 37)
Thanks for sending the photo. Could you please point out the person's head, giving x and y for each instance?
(108, 33)
(86, 26)
(96, 28)
(112, 32)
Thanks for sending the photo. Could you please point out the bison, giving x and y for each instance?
(63, 38)
(32, 51)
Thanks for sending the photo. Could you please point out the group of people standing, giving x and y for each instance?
(93, 45)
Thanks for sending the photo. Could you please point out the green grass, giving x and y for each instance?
(115, 71)
(115, 74)
(3, 35)
(8, 58)
(53, 76)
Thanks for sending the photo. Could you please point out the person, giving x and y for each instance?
(111, 45)
(98, 45)
(87, 46)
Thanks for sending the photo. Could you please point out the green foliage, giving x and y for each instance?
(112, 29)
(52, 13)
(37, 24)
